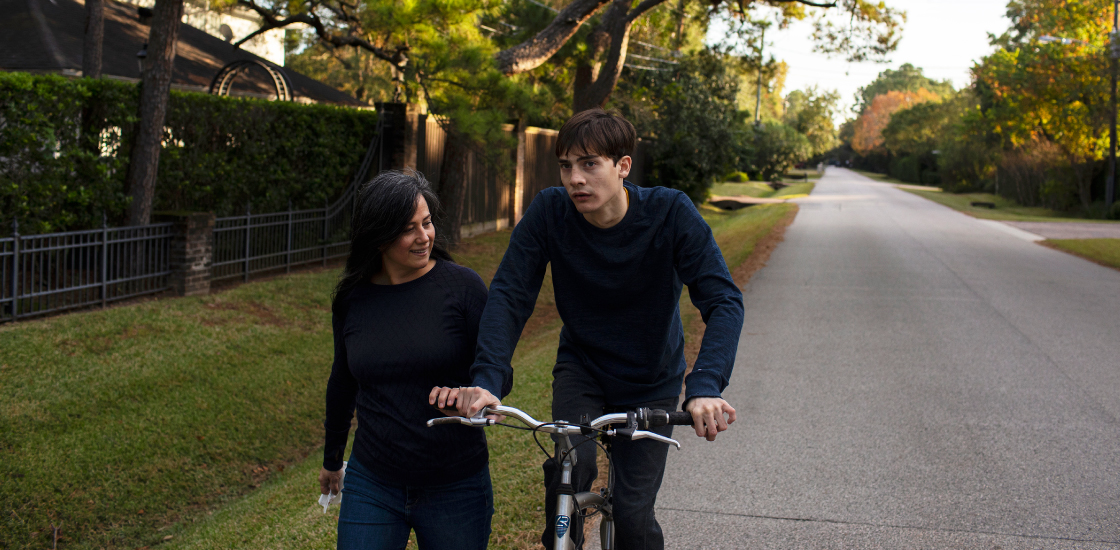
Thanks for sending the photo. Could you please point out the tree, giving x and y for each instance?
(867, 136)
(155, 90)
(93, 38)
(907, 78)
(437, 55)
(810, 113)
(689, 114)
(870, 33)
(776, 148)
(1057, 93)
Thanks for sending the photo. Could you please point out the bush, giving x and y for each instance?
(907, 169)
(773, 151)
(64, 156)
(737, 177)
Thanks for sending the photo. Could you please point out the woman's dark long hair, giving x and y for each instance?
(385, 206)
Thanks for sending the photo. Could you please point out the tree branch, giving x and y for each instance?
(807, 3)
(396, 57)
(533, 52)
(642, 8)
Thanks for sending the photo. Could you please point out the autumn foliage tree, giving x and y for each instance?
(1033, 92)
(867, 134)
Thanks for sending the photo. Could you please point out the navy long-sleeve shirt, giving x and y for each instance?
(617, 291)
(392, 345)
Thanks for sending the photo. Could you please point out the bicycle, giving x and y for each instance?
(568, 502)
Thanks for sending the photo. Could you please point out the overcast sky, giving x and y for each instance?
(943, 37)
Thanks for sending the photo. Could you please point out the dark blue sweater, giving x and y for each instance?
(617, 291)
(392, 345)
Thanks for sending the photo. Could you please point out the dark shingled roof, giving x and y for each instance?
(46, 36)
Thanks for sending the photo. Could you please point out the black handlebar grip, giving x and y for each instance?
(680, 418)
(658, 418)
(446, 420)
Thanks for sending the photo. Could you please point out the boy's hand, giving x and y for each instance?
(466, 400)
(707, 416)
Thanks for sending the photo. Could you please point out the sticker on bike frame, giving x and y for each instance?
(562, 523)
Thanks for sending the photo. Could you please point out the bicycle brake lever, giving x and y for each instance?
(642, 434)
(476, 421)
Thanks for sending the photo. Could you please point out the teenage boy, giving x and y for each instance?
(619, 255)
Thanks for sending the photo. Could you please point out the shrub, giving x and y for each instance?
(64, 156)
(774, 150)
(907, 169)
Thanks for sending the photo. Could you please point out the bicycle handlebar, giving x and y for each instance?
(642, 418)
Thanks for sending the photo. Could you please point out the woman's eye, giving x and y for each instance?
(427, 223)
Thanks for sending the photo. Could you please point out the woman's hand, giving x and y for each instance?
(466, 401)
(329, 481)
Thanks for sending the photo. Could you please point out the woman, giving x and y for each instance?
(405, 320)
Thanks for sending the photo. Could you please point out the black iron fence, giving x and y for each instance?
(54, 272)
(257, 243)
(50, 273)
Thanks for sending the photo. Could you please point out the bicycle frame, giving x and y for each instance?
(568, 502)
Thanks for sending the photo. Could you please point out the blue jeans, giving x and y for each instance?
(376, 515)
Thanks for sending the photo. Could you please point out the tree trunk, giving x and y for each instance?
(94, 37)
(587, 72)
(154, 95)
(616, 25)
(453, 184)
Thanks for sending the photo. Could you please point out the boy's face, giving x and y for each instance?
(593, 181)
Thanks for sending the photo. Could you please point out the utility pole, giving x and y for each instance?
(1114, 51)
(758, 95)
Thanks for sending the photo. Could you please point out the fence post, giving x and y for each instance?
(288, 258)
(191, 254)
(248, 232)
(104, 261)
(15, 269)
(517, 196)
(326, 205)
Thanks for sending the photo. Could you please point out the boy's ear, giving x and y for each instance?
(624, 165)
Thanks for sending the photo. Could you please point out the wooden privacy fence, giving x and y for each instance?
(499, 191)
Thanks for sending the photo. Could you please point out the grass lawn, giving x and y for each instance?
(761, 190)
(196, 422)
(1005, 210)
(1102, 251)
(755, 189)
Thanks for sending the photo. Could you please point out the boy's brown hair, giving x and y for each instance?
(597, 132)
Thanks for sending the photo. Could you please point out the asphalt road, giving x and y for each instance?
(910, 377)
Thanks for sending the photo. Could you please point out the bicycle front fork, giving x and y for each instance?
(569, 503)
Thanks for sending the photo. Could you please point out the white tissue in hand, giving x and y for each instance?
(333, 498)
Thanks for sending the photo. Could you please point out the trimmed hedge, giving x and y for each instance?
(65, 143)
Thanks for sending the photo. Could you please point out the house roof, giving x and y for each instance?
(46, 36)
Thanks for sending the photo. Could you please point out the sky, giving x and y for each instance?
(943, 37)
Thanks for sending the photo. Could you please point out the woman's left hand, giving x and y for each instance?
(466, 401)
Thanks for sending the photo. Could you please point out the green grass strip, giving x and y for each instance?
(1005, 209)
(1102, 251)
(196, 422)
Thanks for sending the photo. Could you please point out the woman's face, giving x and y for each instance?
(413, 248)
